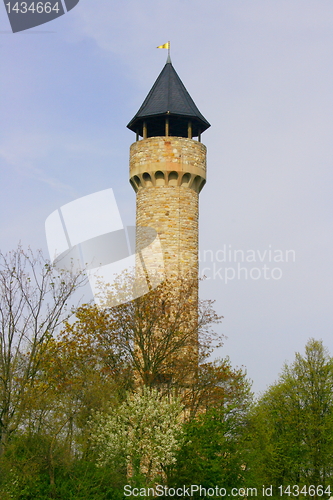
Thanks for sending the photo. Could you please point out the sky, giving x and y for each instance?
(261, 73)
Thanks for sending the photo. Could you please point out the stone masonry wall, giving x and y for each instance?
(168, 173)
(173, 212)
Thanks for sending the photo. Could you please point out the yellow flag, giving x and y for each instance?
(164, 46)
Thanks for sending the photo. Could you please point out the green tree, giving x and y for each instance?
(291, 428)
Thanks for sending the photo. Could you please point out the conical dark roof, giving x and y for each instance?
(168, 98)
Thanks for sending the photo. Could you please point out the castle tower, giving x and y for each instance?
(168, 171)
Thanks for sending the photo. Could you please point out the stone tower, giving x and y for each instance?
(168, 171)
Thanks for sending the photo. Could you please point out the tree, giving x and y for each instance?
(295, 419)
(83, 375)
(33, 304)
(160, 337)
(64, 371)
(144, 433)
(219, 385)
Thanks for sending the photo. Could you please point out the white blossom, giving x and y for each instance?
(146, 429)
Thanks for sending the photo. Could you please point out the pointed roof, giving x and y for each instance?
(168, 98)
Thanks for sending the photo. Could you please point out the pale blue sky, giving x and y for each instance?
(261, 72)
